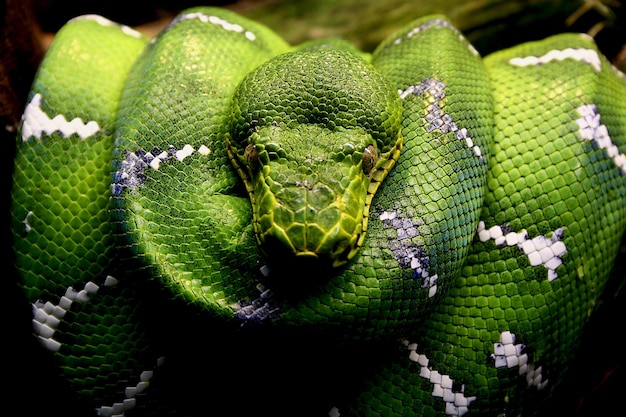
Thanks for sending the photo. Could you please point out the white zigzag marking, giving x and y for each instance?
(510, 354)
(406, 252)
(587, 56)
(436, 118)
(437, 24)
(232, 27)
(47, 316)
(35, 122)
(591, 128)
(540, 250)
(131, 171)
(457, 404)
(103, 21)
(129, 402)
(46, 319)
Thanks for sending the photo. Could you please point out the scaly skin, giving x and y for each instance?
(423, 230)
(313, 201)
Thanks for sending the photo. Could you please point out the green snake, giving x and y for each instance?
(312, 230)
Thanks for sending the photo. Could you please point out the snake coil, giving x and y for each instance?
(215, 213)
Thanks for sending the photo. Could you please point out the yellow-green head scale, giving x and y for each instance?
(313, 133)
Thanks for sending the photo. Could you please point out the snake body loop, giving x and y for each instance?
(426, 231)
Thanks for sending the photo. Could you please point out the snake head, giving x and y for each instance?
(312, 145)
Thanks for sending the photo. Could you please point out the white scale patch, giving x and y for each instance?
(36, 122)
(540, 250)
(587, 56)
(437, 24)
(591, 128)
(47, 316)
(436, 118)
(27, 225)
(408, 254)
(119, 408)
(254, 312)
(184, 153)
(103, 21)
(46, 319)
(457, 404)
(231, 27)
(131, 173)
(511, 354)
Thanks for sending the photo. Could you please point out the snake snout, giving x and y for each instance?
(306, 222)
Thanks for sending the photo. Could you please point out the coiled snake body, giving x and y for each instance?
(313, 229)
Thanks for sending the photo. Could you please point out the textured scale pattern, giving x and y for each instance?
(442, 174)
(195, 267)
(314, 200)
(66, 234)
(488, 243)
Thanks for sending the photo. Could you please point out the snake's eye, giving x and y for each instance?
(368, 161)
(251, 155)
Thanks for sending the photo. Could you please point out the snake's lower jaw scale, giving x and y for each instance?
(295, 273)
(310, 224)
(313, 250)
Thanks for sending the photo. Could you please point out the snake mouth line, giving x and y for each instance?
(309, 256)
(306, 254)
